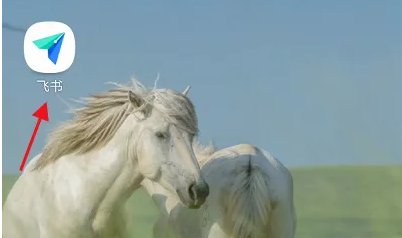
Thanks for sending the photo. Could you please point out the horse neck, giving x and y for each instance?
(124, 170)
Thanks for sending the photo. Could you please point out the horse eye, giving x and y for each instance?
(161, 135)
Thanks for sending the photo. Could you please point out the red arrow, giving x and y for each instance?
(41, 114)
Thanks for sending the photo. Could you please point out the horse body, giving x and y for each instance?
(62, 200)
(251, 196)
(78, 186)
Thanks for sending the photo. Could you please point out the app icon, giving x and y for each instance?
(49, 47)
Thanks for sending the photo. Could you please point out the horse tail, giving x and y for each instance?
(249, 202)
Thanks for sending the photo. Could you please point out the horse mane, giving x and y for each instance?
(203, 152)
(96, 123)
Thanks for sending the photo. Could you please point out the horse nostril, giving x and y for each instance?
(192, 191)
(206, 190)
(198, 192)
(202, 191)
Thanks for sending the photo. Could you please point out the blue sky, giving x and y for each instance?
(313, 82)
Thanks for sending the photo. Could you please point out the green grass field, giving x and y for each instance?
(333, 202)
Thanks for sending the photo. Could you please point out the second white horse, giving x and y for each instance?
(251, 196)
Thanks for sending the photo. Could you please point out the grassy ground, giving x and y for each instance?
(338, 202)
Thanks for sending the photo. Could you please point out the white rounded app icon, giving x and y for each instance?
(49, 47)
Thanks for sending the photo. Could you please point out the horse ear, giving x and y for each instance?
(136, 100)
(185, 92)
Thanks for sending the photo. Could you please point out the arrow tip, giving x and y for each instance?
(42, 112)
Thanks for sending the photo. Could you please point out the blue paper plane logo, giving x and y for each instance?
(52, 44)
(49, 47)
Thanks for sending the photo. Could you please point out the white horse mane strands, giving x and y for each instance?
(103, 113)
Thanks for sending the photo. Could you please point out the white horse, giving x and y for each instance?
(78, 186)
(251, 196)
